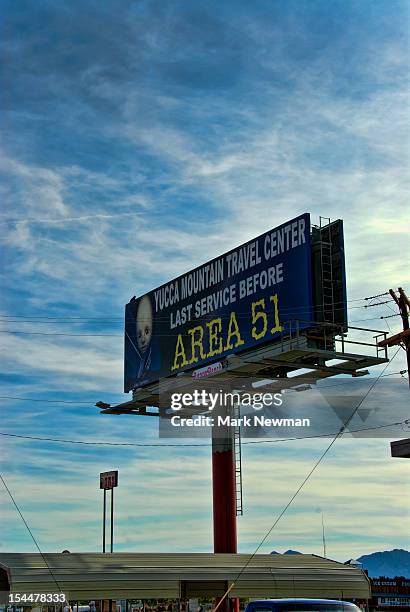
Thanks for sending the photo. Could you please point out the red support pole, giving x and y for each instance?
(224, 500)
(224, 495)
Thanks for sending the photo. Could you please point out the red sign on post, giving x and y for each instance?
(109, 480)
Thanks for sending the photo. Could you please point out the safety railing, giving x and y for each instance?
(329, 335)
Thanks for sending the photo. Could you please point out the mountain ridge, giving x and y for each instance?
(388, 563)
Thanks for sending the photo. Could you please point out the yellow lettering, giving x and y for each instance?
(196, 343)
(233, 330)
(259, 315)
(215, 341)
(278, 327)
(179, 353)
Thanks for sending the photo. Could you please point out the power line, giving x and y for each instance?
(372, 297)
(155, 445)
(370, 319)
(47, 317)
(341, 432)
(30, 532)
(51, 320)
(89, 403)
(50, 401)
(351, 431)
(62, 320)
(93, 443)
(378, 304)
(29, 333)
(106, 318)
(387, 323)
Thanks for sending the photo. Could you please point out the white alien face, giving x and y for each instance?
(144, 324)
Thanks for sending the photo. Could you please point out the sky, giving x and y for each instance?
(138, 140)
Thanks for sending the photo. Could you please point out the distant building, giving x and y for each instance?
(390, 594)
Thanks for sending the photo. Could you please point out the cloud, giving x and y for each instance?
(140, 143)
(79, 363)
(270, 476)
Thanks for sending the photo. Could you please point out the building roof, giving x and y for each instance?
(163, 575)
(400, 448)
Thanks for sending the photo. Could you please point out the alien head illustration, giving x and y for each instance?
(144, 324)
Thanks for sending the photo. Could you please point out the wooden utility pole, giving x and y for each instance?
(401, 448)
(403, 303)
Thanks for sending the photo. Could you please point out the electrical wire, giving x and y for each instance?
(27, 333)
(158, 317)
(46, 319)
(300, 487)
(387, 323)
(89, 403)
(50, 401)
(40, 318)
(154, 445)
(95, 335)
(338, 434)
(378, 304)
(296, 311)
(69, 318)
(372, 297)
(30, 532)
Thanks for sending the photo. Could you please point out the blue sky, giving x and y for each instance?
(140, 139)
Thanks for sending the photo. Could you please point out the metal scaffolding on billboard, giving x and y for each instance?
(297, 349)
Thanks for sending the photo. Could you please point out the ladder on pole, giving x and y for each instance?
(238, 462)
(326, 262)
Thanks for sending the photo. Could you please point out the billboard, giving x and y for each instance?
(242, 299)
(109, 480)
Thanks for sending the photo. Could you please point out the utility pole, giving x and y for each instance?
(401, 448)
(323, 536)
(403, 303)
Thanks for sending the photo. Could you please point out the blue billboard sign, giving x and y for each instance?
(235, 302)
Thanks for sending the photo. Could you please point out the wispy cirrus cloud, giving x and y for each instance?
(142, 142)
(338, 489)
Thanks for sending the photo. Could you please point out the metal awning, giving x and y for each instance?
(161, 575)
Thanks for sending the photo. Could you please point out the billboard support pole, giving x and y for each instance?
(224, 498)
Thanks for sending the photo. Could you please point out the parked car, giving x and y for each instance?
(301, 605)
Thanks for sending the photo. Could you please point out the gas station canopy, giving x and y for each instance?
(182, 575)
